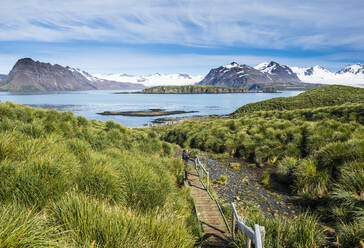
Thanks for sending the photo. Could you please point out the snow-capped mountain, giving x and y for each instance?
(263, 76)
(154, 79)
(350, 75)
(277, 72)
(30, 75)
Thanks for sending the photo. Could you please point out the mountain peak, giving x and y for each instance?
(232, 65)
(25, 60)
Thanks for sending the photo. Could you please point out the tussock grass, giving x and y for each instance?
(21, 227)
(78, 182)
(319, 97)
(88, 221)
(302, 231)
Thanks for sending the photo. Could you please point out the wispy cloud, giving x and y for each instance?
(201, 33)
(279, 23)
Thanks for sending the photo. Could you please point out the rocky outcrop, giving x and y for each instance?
(30, 75)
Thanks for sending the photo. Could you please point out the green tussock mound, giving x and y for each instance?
(323, 96)
(66, 181)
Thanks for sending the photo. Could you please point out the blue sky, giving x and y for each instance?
(145, 36)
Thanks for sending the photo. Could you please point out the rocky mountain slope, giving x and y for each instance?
(30, 75)
(265, 75)
(156, 79)
(349, 75)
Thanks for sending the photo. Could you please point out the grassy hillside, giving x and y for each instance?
(66, 181)
(317, 152)
(191, 89)
(323, 96)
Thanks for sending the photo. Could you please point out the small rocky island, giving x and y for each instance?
(189, 89)
(147, 113)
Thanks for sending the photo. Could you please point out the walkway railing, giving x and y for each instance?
(257, 236)
(201, 169)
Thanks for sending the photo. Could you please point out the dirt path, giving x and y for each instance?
(243, 185)
(213, 226)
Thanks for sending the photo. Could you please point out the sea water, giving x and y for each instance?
(89, 103)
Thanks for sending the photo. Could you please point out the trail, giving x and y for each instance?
(213, 226)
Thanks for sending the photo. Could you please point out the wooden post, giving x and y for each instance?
(258, 236)
(262, 231)
(207, 180)
(233, 226)
(248, 242)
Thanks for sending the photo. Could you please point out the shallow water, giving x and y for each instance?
(89, 103)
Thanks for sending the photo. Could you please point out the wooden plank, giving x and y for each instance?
(212, 223)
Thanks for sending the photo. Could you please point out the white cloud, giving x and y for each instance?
(277, 24)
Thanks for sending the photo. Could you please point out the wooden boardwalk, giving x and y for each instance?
(214, 229)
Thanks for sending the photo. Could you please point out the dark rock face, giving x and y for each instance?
(30, 75)
(279, 73)
(234, 75)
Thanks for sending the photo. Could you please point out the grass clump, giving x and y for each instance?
(302, 231)
(222, 179)
(235, 166)
(21, 227)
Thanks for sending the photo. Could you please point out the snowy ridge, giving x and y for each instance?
(154, 79)
(261, 66)
(350, 75)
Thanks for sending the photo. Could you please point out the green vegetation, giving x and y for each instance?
(319, 97)
(222, 179)
(302, 231)
(66, 181)
(317, 152)
(235, 166)
(191, 89)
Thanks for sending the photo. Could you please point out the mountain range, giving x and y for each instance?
(349, 75)
(30, 75)
(275, 75)
(156, 79)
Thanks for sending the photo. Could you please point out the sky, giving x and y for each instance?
(187, 36)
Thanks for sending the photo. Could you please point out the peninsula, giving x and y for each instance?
(188, 89)
(144, 113)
